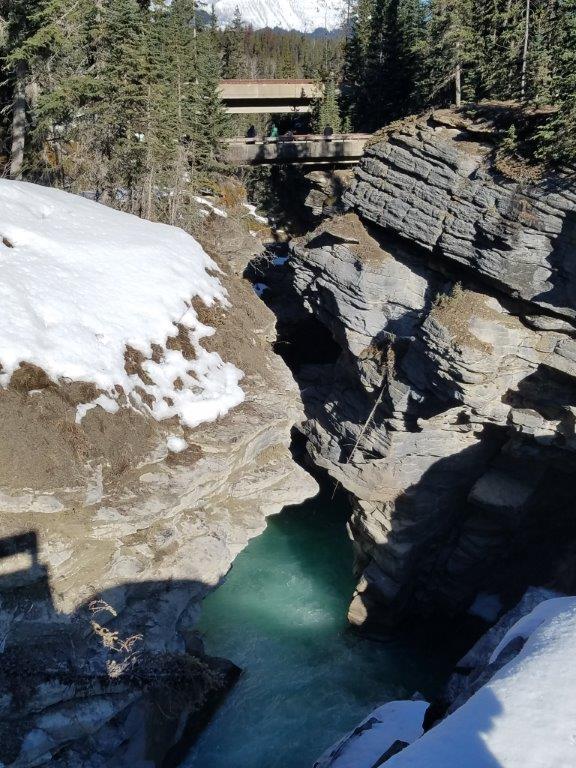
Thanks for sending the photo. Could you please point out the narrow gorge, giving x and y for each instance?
(429, 324)
(416, 361)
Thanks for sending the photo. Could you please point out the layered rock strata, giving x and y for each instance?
(450, 413)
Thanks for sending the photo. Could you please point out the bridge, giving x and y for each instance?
(269, 96)
(340, 149)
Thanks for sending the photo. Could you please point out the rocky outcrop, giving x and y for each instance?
(449, 415)
(432, 183)
(326, 189)
(110, 541)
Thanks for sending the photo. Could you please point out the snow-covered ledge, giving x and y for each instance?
(83, 284)
(522, 716)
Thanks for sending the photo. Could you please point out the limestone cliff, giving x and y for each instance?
(450, 412)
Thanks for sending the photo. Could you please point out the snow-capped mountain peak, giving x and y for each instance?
(301, 15)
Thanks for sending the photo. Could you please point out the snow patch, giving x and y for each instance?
(176, 444)
(524, 627)
(83, 282)
(252, 211)
(365, 745)
(524, 716)
(211, 207)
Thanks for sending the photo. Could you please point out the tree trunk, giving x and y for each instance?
(458, 77)
(525, 52)
(18, 123)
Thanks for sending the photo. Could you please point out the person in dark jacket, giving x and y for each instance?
(251, 134)
(328, 132)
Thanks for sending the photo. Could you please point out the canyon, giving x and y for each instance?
(428, 319)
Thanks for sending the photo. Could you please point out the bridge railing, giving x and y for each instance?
(342, 148)
(298, 138)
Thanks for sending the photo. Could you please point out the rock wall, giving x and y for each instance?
(110, 542)
(450, 413)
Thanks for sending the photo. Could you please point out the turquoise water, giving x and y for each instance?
(281, 616)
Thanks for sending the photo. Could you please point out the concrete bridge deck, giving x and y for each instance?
(269, 96)
(340, 149)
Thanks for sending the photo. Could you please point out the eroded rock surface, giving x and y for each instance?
(110, 541)
(449, 415)
(432, 183)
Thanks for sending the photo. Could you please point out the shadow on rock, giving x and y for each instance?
(104, 685)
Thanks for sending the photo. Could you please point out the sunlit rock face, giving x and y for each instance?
(449, 415)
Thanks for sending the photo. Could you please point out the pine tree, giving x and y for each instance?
(541, 59)
(233, 48)
(211, 121)
(326, 111)
(558, 137)
(119, 111)
(56, 53)
(495, 53)
(392, 73)
(162, 124)
(354, 69)
(377, 87)
(450, 50)
(18, 27)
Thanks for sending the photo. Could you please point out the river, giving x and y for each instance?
(281, 616)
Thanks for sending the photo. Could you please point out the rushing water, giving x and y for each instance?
(281, 616)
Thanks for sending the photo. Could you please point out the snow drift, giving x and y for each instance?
(82, 284)
(524, 716)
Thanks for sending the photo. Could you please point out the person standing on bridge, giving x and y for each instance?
(251, 134)
(328, 132)
(273, 132)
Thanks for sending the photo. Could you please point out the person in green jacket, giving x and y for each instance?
(273, 134)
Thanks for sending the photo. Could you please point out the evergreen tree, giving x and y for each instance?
(182, 95)
(326, 111)
(164, 99)
(354, 96)
(411, 25)
(56, 53)
(212, 123)
(384, 60)
(541, 59)
(558, 137)
(18, 27)
(233, 48)
(119, 112)
(449, 51)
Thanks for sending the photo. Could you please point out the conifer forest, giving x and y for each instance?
(120, 98)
